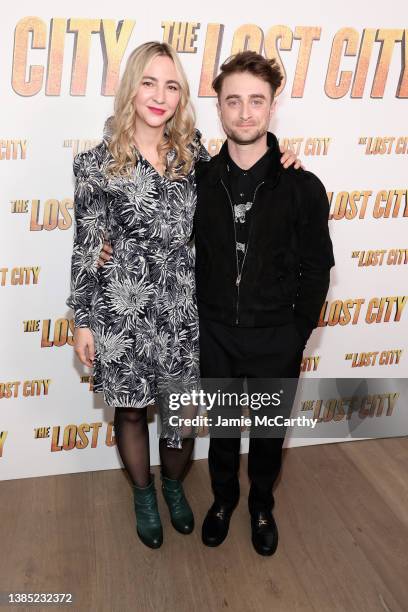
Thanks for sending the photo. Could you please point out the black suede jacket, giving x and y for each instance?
(286, 270)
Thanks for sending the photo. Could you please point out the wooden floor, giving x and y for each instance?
(342, 512)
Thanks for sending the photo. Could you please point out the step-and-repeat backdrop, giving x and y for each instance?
(342, 108)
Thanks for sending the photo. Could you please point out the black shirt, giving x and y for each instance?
(242, 186)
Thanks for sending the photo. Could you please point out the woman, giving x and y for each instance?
(135, 318)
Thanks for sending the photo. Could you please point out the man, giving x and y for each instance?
(263, 259)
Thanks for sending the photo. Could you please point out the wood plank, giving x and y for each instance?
(339, 509)
(368, 537)
(376, 461)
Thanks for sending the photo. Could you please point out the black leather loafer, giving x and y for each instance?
(264, 532)
(216, 524)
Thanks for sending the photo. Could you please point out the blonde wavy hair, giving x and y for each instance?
(179, 132)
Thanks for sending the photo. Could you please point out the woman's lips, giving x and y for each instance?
(156, 111)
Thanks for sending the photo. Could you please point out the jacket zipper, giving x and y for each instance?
(239, 274)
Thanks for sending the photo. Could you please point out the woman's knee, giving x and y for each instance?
(130, 415)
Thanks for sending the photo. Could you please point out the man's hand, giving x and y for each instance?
(84, 345)
(105, 254)
(288, 158)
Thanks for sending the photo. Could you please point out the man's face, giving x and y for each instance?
(245, 107)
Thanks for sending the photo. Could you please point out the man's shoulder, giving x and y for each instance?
(207, 169)
(304, 180)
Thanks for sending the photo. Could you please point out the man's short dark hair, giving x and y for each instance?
(249, 61)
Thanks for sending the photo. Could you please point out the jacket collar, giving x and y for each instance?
(219, 162)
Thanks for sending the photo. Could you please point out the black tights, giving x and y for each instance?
(132, 439)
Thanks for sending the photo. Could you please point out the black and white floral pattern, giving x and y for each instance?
(141, 305)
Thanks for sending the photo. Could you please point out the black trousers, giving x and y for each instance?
(260, 356)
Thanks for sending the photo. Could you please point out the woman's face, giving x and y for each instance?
(159, 92)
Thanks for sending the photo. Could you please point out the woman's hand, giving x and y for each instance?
(84, 345)
(105, 254)
(289, 158)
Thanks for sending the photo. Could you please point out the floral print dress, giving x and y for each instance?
(141, 305)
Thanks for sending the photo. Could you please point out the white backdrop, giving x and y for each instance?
(342, 109)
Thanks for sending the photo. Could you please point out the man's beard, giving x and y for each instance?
(240, 139)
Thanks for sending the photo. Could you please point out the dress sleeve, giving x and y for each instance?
(203, 154)
(200, 152)
(90, 227)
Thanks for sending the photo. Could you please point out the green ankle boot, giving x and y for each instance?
(181, 515)
(149, 527)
